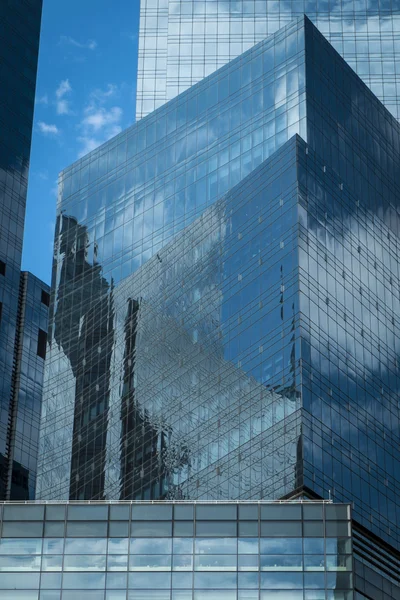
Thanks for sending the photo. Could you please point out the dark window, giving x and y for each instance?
(2, 267)
(41, 346)
(45, 298)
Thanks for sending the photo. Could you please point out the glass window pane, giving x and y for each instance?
(84, 581)
(55, 513)
(50, 595)
(185, 528)
(313, 528)
(149, 594)
(156, 581)
(214, 581)
(281, 512)
(151, 512)
(248, 562)
(50, 581)
(281, 528)
(115, 595)
(150, 562)
(21, 546)
(281, 546)
(91, 512)
(314, 562)
(20, 563)
(23, 513)
(53, 546)
(117, 580)
(183, 512)
(182, 562)
(52, 563)
(86, 546)
(249, 528)
(339, 562)
(87, 562)
(119, 513)
(83, 595)
(248, 546)
(215, 595)
(248, 580)
(314, 581)
(248, 512)
(90, 528)
(117, 562)
(282, 581)
(150, 546)
(338, 545)
(118, 546)
(313, 545)
(216, 546)
(24, 595)
(54, 529)
(281, 562)
(149, 528)
(220, 528)
(19, 581)
(216, 512)
(216, 562)
(16, 529)
(182, 580)
(118, 528)
(183, 545)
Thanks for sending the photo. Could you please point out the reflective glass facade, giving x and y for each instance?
(225, 295)
(120, 207)
(286, 551)
(182, 41)
(19, 35)
(33, 314)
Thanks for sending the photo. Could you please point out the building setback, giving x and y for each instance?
(226, 298)
(20, 382)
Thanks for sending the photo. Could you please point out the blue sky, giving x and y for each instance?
(85, 94)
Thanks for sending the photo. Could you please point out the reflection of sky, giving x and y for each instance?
(356, 28)
(370, 312)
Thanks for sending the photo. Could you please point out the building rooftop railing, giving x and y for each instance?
(129, 502)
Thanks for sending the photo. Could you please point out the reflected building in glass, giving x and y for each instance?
(24, 300)
(225, 298)
(180, 42)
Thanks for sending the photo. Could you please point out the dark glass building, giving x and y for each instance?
(19, 381)
(224, 319)
(176, 551)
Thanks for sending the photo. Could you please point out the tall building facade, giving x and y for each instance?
(180, 42)
(226, 288)
(21, 368)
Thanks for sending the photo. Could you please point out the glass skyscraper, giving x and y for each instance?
(23, 299)
(181, 42)
(224, 318)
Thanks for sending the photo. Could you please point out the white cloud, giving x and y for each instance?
(42, 99)
(99, 122)
(62, 105)
(88, 45)
(48, 129)
(43, 174)
(103, 96)
(97, 119)
(63, 88)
